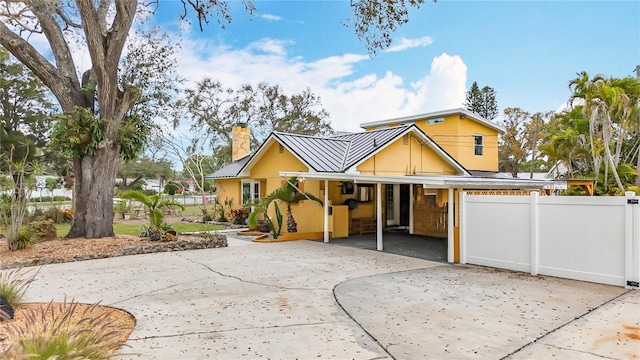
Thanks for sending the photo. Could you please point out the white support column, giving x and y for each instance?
(379, 246)
(463, 233)
(533, 233)
(411, 209)
(326, 211)
(450, 226)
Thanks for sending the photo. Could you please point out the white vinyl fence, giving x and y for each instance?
(593, 239)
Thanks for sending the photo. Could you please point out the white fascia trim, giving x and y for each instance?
(435, 114)
(438, 182)
(367, 179)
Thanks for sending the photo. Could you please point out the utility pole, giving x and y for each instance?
(534, 143)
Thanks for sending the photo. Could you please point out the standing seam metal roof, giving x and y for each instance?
(365, 143)
(326, 154)
(230, 171)
(321, 154)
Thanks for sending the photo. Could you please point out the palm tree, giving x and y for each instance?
(156, 205)
(289, 194)
(567, 141)
(608, 108)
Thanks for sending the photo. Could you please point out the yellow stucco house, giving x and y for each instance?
(401, 172)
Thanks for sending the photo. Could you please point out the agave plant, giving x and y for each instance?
(155, 204)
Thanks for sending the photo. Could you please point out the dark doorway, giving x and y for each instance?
(405, 199)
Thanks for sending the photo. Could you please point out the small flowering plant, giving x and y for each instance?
(239, 216)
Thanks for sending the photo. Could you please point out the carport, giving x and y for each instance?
(401, 243)
(452, 185)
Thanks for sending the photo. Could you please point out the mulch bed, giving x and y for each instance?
(67, 250)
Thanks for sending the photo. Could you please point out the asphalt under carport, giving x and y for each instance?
(400, 243)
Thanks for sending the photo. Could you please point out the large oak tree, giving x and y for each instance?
(93, 97)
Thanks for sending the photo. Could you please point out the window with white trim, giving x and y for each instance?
(250, 191)
(478, 145)
(435, 121)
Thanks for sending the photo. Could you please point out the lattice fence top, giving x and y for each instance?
(505, 192)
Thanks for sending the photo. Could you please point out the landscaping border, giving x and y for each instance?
(209, 242)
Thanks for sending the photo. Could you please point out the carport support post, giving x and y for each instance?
(379, 216)
(326, 211)
(450, 225)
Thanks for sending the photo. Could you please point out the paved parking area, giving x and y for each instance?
(277, 301)
(400, 243)
(470, 312)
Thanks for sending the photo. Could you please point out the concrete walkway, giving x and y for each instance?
(277, 301)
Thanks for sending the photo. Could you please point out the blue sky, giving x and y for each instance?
(526, 50)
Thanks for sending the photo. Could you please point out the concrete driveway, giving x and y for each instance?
(277, 301)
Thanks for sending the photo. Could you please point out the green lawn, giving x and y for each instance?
(134, 229)
(196, 210)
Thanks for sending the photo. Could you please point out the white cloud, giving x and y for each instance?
(270, 46)
(410, 43)
(271, 17)
(370, 98)
(442, 88)
(350, 97)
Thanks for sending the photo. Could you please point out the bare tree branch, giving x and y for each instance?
(44, 11)
(68, 22)
(31, 58)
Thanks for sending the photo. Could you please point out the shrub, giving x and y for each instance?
(59, 216)
(65, 331)
(24, 239)
(14, 283)
(57, 198)
(149, 192)
(239, 216)
(43, 229)
(67, 215)
(171, 188)
(121, 207)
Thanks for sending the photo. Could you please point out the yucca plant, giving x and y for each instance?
(155, 204)
(65, 331)
(14, 283)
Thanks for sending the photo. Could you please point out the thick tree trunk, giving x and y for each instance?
(95, 175)
(94, 195)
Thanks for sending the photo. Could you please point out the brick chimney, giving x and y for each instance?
(241, 141)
